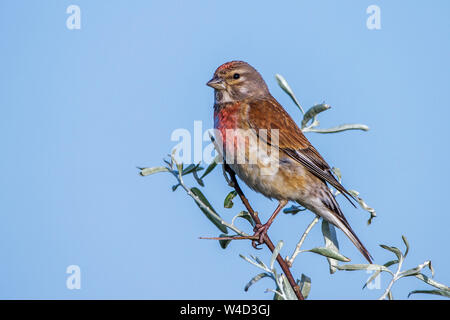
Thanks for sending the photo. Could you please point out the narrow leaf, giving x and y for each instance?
(190, 168)
(405, 241)
(285, 86)
(245, 215)
(228, 202)
(196, 177)
(435, 292)
(395, 250)
(354, 267)
(293, 209)
(305, 285)
(261, 263)
(364, 205)
(275, 253)
(312, 112)
(331, 243)
(252, 262)
(287, 289)
(148, 171)
(341, 128)
(205, 201)
(337, 173)
(224, 243)
(432, 282)
(211, 167)
(256, 279)
(416, 270)
(329, 253)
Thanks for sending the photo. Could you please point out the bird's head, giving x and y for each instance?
(237, 80)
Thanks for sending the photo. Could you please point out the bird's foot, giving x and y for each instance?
(260, 232)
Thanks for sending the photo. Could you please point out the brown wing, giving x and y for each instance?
(291, 139)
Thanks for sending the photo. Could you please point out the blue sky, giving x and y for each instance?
(80, 109)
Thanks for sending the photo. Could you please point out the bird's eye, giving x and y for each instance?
(236, 76)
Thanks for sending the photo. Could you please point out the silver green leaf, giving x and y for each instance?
(252, 262)
(245, 215)
(285, 86)
(275, 253)
(256, 279)
(211, 166)
(364, 205)
(432, 282)
(313, 112)
(416, 270)
(293, 209)
(224, 243)
(287, 289)
(435, 292)
(148, 171)
(305, 285)
(190, 168)
(228, 202)
(205, 201)
(261, 263)
(197, 178)
(331, 243)
(341, 128)
(405, 241)
(329, 254)
(354, 267)
(337, 173)
(395, 250)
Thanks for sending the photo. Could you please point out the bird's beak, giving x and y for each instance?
(216, 83)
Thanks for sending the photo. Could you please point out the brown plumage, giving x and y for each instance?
(296, 172)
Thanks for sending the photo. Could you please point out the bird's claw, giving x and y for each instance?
(256, 244)
(260, 232)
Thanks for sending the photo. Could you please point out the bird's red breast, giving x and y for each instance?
(228, 116)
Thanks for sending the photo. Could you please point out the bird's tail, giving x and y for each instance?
(331, 212)
(345, 227)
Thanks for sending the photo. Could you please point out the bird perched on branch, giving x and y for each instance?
(268, 151)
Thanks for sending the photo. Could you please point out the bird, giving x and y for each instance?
(248, 121)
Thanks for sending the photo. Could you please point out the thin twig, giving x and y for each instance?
(231, 238)
(297, 250)
(394, 278)
(284, 266)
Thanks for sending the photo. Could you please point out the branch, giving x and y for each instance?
(283, 264)
(231, 238)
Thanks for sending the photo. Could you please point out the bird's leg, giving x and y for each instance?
(261, 229)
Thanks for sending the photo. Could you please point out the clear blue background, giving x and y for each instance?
(80, 109)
